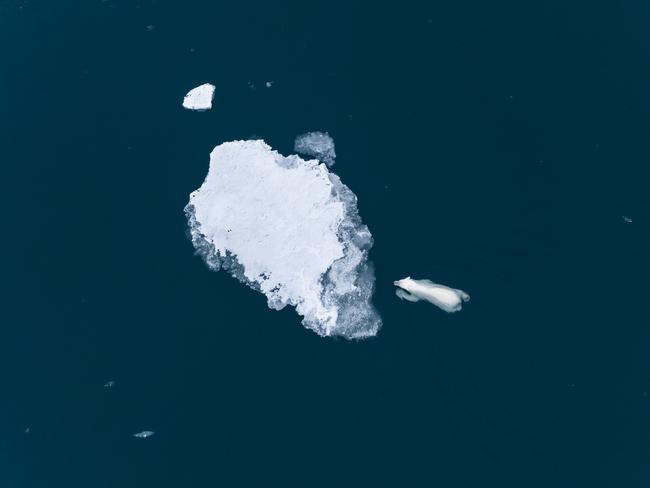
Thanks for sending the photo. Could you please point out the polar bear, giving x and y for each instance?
(448, 299)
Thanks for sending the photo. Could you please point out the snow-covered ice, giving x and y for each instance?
(199, 98)
(319, 145)
(448, 299)
(289, 229)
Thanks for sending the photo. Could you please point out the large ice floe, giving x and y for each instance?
(319, 145)
(199, 98)
(289, 229)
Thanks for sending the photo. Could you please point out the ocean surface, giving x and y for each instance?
(494, 147)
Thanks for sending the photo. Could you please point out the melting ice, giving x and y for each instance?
(289, 229)
(319, 145)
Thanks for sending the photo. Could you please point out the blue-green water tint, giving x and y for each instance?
(494, 147)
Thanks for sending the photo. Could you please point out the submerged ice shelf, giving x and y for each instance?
(319, 145)
(289, 229)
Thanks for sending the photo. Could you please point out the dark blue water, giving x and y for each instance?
(494, 147)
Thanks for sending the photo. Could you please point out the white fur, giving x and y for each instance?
(448, 299)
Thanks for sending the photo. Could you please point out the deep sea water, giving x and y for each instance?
(493, 148)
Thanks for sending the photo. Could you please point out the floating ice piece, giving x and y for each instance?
(319, 145)
(627, 219)
(144, 434)
(109, 384)
(289, 229)
(448, 299)
(269, 84)
(199, 98)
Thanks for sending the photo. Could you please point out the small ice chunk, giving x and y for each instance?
(319, 145)
(109, 384)
(199, 98)
(443, 297)
(627, 219)
(144, 434)
(269, 84)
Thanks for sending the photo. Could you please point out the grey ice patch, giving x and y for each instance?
(319, 145)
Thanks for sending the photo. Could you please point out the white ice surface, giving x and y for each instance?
(319, 145)
(290, 229)
(199, 98)
(448, 299)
